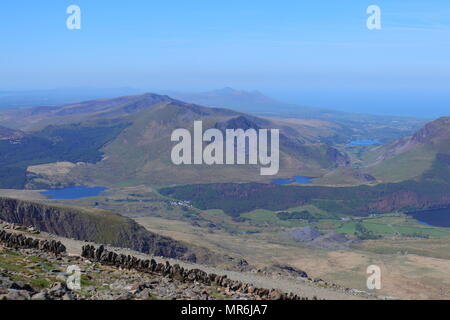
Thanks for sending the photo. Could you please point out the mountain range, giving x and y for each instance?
(130, 136)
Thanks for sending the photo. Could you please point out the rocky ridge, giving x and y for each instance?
(99, 226)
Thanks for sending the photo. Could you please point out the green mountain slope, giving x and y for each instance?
(129, 139)
(143, 150)
(411, 157)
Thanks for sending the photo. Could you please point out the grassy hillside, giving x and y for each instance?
(411, 157)
(142, 152)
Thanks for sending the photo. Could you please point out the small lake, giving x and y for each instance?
(433, 217)
(296, 179)
(77, 192)
(364, 143)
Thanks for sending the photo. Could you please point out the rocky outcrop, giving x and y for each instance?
(398, 200)
(15, 240)
(292, 270)
(438, 129)
(304, 234)
(179, 273)
(311, 236)
(339, 158)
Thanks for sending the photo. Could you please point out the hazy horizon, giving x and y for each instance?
(313, 54)
(352, 102)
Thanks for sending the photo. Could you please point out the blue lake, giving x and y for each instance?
(433, 217)
(296, 179)
(74, 192)
(364, 143)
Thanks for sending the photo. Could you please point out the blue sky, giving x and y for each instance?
(316, 53)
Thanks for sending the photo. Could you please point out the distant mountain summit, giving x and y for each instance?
(233, 92)
(246, 101)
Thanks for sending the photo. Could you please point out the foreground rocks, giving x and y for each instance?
(175, 272)
(116, 274)
(34, 269)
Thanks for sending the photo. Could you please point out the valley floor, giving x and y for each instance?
(405, 274)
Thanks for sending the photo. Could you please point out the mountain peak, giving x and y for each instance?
(226, 91)
(438, 129)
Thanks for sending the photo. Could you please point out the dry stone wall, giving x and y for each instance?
(177, 272)
(15, 240)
